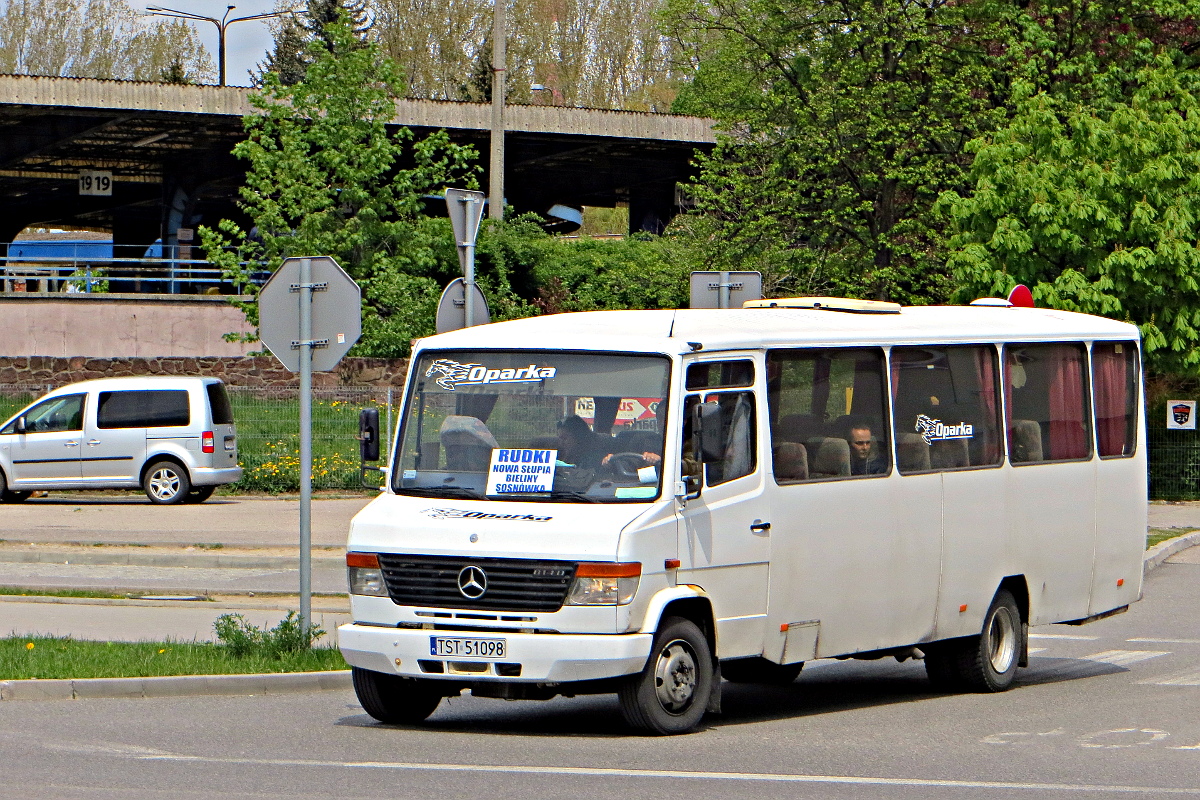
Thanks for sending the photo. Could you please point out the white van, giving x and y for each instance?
(172, 436)
(646, 502)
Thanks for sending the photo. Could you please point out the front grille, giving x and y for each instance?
(513, 584)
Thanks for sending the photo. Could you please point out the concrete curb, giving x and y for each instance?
(195, 560)
(175, 686)
(1156, 555)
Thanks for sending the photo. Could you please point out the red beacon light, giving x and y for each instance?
(1021, 297)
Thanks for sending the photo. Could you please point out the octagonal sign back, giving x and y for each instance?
(336, 313)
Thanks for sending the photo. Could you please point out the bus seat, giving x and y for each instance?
(637, 441)
(798, 428)
(790, 461)
(468, 443)
(828, 457)
(949, 454)
(912, 453)
(431, 451)
(1026, 438)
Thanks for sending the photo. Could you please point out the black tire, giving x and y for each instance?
(394, 700)
(759, 670)
(7, 496)
(671, 693)
(166, 483)
(199, 494)
(983, 663)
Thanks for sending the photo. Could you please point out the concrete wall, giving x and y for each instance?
(43, 371)
(119, 326)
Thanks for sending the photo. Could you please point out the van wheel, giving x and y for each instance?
(7, 496)
(759, 670)
(671, 693)
(199, 494)
(166, 483)
(983, 663)
(392, 699)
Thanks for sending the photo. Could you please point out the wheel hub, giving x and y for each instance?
(675, 677)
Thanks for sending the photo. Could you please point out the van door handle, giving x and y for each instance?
(93, 442)
(70, 444)
(758, 526)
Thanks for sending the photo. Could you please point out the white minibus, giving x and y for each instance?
(651, 502)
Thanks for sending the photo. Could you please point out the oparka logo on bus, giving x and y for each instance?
(932, 430)
(456, 374)
(458, 513)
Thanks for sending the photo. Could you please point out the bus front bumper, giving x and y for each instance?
(542, 657)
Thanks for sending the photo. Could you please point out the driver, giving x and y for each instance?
(653, 458)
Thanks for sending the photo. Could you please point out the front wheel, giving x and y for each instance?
(394, 700)
(166, 483)
(671, 692)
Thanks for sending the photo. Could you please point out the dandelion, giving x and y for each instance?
(29, 646)
(160, 652)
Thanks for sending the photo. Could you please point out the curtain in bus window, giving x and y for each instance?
(1047, 411)
(1114, 390)
(945, 407)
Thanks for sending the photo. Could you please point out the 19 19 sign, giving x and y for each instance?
(95, 182)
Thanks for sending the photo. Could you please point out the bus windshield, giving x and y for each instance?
(534, 426)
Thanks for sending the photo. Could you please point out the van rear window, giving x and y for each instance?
(218, 402)
(151, 408)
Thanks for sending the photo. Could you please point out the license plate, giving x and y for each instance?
(446, 647)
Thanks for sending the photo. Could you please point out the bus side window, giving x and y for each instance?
(1115, 375)
(1047, 392)
(828, 411)
(947, 408)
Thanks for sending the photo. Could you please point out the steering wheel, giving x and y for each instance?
(624, 466)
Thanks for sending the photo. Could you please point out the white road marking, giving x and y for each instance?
(1033, 650)
(1063, 636)
(1122, 657)
(599, 772)
(1184, 679)
(1165, 641)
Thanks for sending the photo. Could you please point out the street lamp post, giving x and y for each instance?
(222, 23)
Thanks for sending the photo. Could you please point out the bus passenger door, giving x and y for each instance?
(724, 529)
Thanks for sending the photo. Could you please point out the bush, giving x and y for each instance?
(243, 639)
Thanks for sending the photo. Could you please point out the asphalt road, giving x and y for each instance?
(1107, 710)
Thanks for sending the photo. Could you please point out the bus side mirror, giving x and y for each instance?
(706, 423)
(368, 434)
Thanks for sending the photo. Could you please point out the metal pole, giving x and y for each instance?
(723, 291)
(388, 449)
(306, 444)
(468, 246)
(496, 158)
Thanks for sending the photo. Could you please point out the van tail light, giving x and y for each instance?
(208, 442)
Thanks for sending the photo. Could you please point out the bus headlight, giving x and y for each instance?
(604, 584)
(364, 575)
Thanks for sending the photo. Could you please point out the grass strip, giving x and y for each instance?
(13, 591)
(47, 657)
(1160, 535)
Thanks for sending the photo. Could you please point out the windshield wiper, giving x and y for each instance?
(565, 495)
(441, 491)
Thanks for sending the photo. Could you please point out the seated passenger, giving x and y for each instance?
(864, 460)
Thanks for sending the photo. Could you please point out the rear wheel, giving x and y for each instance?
(983, 663)
(670, 695)
(166, 483)
(759, 670)
(199, 494)
(392, 699)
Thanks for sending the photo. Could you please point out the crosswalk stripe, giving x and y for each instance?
(1122, 657)
(1185, 679)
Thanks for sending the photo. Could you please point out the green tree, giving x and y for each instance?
(287, 58)
(844, 122)
(327, 177)
(1093, 205)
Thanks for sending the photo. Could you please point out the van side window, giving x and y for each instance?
(1115, 376)
(738, 435)
(720, 374)
(1047, 404)
(55, 415)
(828, 411)
(151, 408)
(947, 408)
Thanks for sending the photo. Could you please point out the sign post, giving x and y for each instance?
(466, 210)
(724, 289)
(310, 314)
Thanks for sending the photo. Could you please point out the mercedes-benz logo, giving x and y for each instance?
(472, 582)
